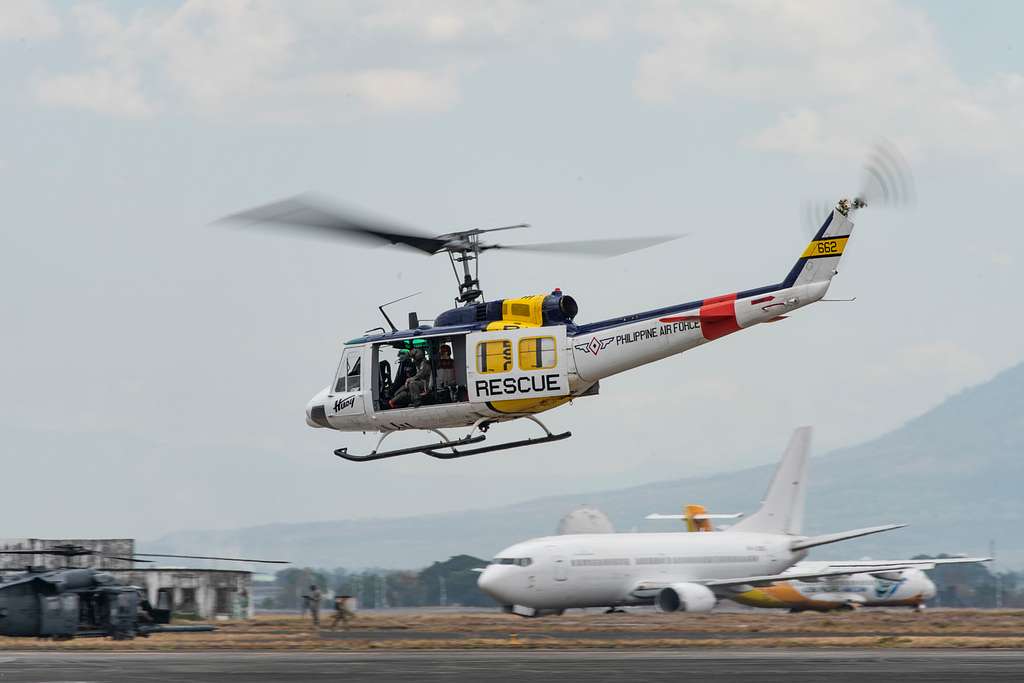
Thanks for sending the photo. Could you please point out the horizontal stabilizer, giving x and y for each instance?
(825, 539)
(656, 515)
(885, 565)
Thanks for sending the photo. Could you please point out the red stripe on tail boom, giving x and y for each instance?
(718, 316)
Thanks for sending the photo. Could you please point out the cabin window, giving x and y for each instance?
(537, 353)
(352, 372)
(494, 356)
(349, 372)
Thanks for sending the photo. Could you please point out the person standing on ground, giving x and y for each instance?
(342, 612)
(315, 597)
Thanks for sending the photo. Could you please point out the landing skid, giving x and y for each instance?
(435, 450)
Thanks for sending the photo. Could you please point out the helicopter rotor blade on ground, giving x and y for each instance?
(598, 248)
(123, 559)
(25, 552)
(207, 557)
(315, 217)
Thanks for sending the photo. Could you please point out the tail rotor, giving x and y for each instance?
(887, 180)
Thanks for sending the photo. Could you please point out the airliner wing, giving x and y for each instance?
(650, 588)
(768, 579)
(802, 543)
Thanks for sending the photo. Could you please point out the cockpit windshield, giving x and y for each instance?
(518, 561)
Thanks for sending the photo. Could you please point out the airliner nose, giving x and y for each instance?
(490, 583)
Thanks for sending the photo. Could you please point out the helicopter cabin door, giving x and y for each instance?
(59, 614)
(346, 397)
(517, 365)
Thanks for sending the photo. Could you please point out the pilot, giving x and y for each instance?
(446, 369)
(403, 372)
(416, 386)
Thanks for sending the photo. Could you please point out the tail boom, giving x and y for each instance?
(608, 347)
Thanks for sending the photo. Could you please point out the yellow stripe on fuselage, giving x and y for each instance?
(529, 405)
(829, 246)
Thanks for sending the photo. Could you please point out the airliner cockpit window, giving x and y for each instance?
(518, 561)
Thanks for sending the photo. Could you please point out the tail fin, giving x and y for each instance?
(696, 518)
(820, 259)
(782, 510)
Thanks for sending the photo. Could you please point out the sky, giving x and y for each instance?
(156, 365)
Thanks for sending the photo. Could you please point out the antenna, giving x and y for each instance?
(381, 308)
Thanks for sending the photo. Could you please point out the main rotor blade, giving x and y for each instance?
(123, 559)
(47, 551)
(314, 217)
(599, 248)
(479, 231)
(23, 552)
(207, 557)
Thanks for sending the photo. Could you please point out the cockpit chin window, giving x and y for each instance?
(518, 561)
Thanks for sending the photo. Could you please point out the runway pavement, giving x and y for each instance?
(630, 634)
(836, 666)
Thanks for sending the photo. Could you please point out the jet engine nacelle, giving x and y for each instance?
(685, 597)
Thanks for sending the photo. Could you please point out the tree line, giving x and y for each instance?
(448, 583)
(453, 583)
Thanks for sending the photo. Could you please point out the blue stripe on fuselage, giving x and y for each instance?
(590, 328)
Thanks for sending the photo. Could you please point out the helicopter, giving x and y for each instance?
(514, 358)
(84, 602)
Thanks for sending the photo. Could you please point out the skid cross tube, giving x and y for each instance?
(380, 455)
(483, 425)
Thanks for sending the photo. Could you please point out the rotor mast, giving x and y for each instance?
(469, 284)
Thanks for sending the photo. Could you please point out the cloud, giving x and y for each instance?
(272, 60)
(829, 76)
(218, 53)
(448, 21)
(404, 89)
(100, 90)
(820, 79)
(27, 20)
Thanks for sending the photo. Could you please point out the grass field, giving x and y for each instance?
(453, 630)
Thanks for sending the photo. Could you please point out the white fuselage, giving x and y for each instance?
(584, 356)
(595, 570)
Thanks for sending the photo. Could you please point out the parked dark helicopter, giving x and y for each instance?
(84, 602)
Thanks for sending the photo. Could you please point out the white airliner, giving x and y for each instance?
(674, 571)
